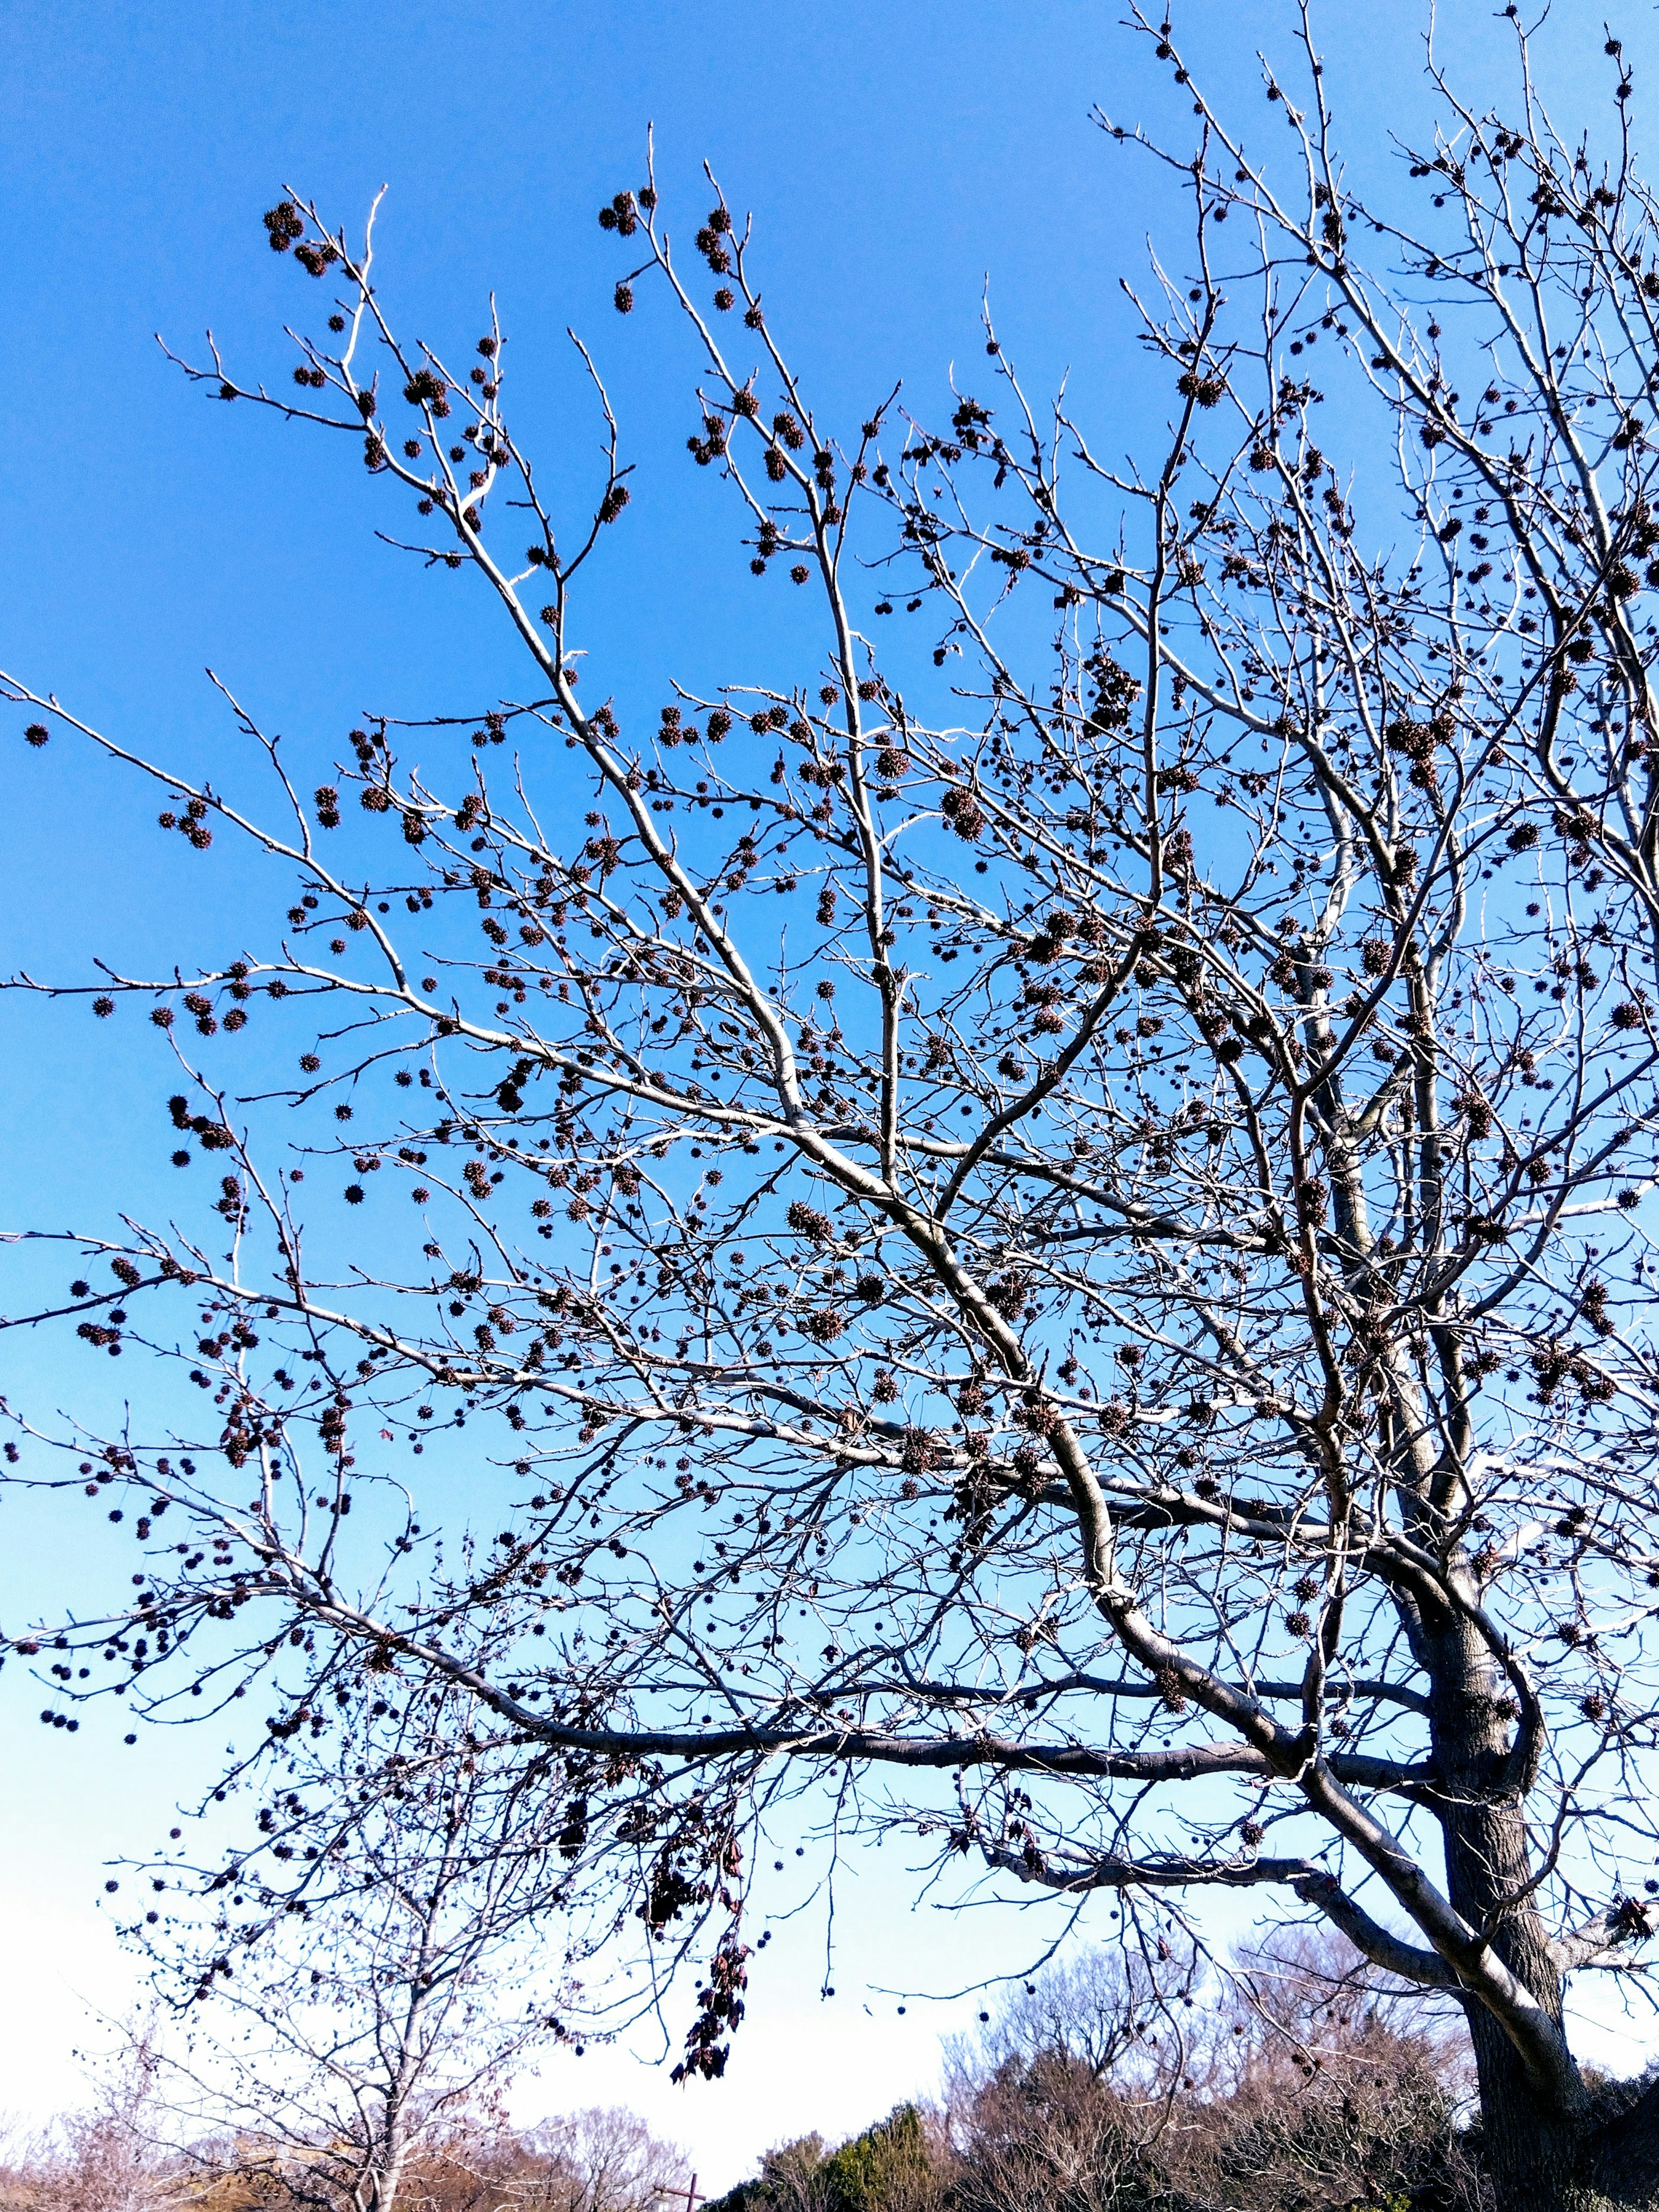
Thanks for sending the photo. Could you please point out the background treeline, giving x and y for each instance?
(1113, 2085)
(1116, 2086)
(110, 2161)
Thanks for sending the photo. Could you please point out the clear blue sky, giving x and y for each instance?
(895, 156)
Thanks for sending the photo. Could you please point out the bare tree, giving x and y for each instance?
(470, 2160)
(1097, 2010)
(1059, 1223)
(1289, 2080)
(1052, 2134)
(366, 1975)
(106, 2157)
(600, 2160)
(595, 2161)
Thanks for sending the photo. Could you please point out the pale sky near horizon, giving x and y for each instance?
(894, 154)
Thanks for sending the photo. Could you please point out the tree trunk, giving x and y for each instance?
(1536, 2146)
(388, 2182)
(1536, 2156)
(1532, 2146)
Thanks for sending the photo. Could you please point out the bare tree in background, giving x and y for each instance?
(595, 2161)
(104, 2158)
(599, 2160)
(110, 2161)
(1095, 2009)
(1057, 2099)
(361, 1983)
(1295, 2081)
(1047, 1234)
